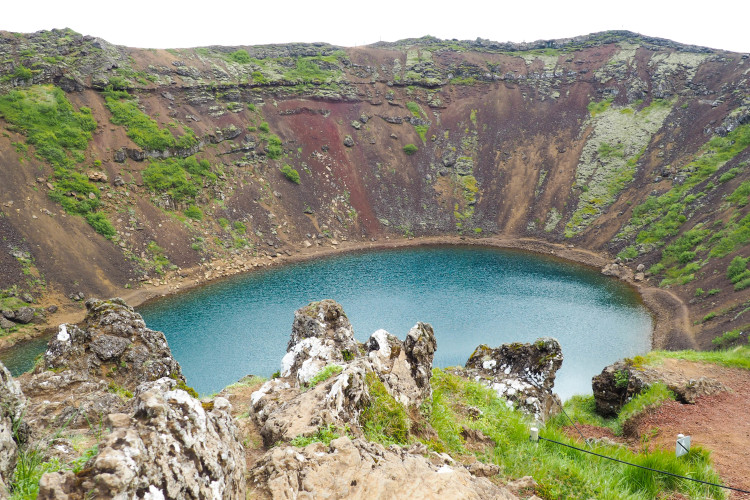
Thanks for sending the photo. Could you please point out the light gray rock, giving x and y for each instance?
(12, 408)
(322, 336)
(173, 446)
(357, 469)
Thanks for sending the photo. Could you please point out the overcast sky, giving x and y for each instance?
(721, 24)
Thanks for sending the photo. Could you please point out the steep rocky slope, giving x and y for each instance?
(131, 168)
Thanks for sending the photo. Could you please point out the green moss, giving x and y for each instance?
(599, 107)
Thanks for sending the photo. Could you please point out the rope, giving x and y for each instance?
(644, 467)
(574, 424)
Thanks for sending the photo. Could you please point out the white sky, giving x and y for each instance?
(721, 24)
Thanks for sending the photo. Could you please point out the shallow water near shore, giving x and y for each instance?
(470, 296)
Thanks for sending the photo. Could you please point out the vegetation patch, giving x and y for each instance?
(384, 420)
(180, 178)
(141, 128)
(60, 136)
(660, 217)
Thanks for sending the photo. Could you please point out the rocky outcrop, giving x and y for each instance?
(113, 376)
(359, 469)
(619, 382)
(521, 373)
(299, 403)
(171, 446)
(112, 341)
(12, 408)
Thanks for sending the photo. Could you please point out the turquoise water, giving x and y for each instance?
(470, 296)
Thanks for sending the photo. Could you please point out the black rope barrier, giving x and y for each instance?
(644, 467)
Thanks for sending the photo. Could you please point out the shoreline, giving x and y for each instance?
(670, 329)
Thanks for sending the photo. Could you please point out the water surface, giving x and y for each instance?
(470, 296)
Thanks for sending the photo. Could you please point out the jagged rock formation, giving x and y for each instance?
(521, 373)
(170, 447)
(321, 338)
(358, 469)
(86, 366)
(619, 382)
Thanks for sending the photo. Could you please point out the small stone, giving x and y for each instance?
(348, 141)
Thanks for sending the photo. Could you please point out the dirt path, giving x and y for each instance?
(720, 423)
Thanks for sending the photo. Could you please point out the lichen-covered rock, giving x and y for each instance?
(354, 469)
(521, 373)
(322, 337)
(170, 447)
(112, 341)
(12, 407)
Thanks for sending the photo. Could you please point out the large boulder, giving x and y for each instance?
(621, 381)
(322, 341)
(521, 373)
(358, 469)
(170, 446)
(12, 408)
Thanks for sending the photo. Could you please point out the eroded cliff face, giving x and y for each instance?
(167, 160)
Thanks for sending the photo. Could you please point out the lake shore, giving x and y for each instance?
(671, 327)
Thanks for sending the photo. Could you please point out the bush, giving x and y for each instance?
(194, 212)
(736, 268)
(101, 224)
(263, 127)
(290, 174)
(410, 149)
(239, 56)
(727, 338)
(239, 227)
(273, 148)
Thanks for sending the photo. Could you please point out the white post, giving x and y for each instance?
(534, 435)
(683, 445)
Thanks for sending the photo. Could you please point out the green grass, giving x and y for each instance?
(582, 409)
(560, 472)
(273, 146)
(324, 374)
(324, 435)
(661, 217)
(180, 178)
(738, 357)
(728, 338)
(599, 107)
(384, 420)
(194, 212)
